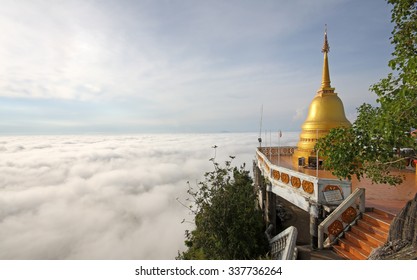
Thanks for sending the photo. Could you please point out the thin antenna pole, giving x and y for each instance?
(260, 127)
(270, 144)
(279, 147)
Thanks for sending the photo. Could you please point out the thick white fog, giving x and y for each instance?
(105, 197)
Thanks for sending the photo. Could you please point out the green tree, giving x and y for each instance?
(228, 224)
(371, 147)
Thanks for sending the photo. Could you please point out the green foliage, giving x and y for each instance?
(371, 146)
(228, 224)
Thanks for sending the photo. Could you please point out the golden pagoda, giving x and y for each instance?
(325, 112)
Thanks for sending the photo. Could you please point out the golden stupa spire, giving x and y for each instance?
(325, 80)
(325, 112)
(326, 47)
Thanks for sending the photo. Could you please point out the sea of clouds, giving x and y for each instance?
(106, 197)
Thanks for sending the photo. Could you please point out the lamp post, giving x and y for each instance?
(317, 154)
(317, 163)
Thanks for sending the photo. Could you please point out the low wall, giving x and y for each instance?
(298, 188)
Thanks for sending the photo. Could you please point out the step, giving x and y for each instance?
(375, 240)
(386, 214)
(377, 220)
(373, 229)
(360, 242)
(370, 232)
(366, 239)
(343, 253)
(353, 249)
(305, 252)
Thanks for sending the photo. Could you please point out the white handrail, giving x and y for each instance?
(348, 202)
(283, 245)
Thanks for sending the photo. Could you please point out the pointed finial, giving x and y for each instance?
(325, 81)
(326, 47)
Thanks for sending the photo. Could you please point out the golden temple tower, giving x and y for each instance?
(325, 112)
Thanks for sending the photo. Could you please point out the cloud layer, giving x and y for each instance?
(104, 197)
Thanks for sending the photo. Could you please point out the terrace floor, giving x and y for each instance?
(385, 197)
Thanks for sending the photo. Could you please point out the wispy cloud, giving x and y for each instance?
(300, 113)
(168, 58)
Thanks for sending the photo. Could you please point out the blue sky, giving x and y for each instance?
(182, 66)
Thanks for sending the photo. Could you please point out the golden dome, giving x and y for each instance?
(325, 112)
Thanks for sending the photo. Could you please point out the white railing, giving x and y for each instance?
(283, 245)
(342, 216)
(287, 183)
(275, 151)
(299, 188)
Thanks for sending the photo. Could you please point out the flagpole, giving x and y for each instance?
(279, 147)
(270, 145)
(317, 155)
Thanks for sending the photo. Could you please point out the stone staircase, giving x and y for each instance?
(370, 232)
